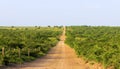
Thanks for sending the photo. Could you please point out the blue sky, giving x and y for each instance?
(59, 12)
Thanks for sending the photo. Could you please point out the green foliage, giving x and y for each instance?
(25, 44)
(100, 44)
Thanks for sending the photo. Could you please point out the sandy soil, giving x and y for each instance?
(59, 57)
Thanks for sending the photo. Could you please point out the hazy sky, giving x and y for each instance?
(59, 12)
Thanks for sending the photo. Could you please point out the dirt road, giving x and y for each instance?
(59, 57)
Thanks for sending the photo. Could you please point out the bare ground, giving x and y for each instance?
(59, 57)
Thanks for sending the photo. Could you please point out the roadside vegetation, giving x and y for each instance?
(21, 44)
(100, 44)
